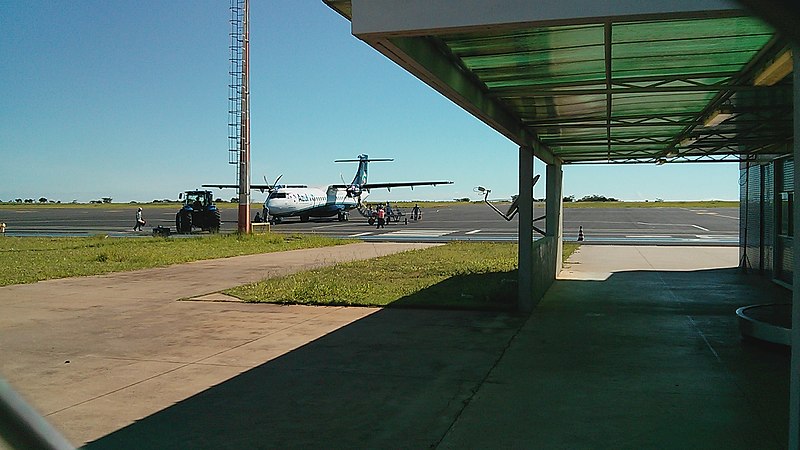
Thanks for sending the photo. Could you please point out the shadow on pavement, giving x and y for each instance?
(643, 359)
(396, 376)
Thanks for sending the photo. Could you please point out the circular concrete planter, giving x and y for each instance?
(769, 322)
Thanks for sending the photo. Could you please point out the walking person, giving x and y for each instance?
(139, 220)
(415, 212)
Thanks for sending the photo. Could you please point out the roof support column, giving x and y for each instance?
(794, 366)
(554, 210)
(525, 301)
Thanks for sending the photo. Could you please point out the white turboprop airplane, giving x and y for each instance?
(334, 200)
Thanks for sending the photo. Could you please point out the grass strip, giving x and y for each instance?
(28, 259)
(458, 275)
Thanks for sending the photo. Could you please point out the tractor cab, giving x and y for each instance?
(197, 199)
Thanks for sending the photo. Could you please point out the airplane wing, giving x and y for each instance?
(260, 187)
(389, 186)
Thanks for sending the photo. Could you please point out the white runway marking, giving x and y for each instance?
(423, 233)
(673, 224)
(361, 234)
(648, 236)
(473, 232)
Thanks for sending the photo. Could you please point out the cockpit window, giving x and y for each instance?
(277, 195)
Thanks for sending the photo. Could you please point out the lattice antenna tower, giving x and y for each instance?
(239, 107)
(235, 112)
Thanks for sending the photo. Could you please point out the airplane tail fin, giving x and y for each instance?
(361, 174)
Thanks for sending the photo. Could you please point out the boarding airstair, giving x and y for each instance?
(364, 211)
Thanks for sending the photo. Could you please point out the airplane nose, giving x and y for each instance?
(275, 207)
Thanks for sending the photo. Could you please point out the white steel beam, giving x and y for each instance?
(418, 17)
(525, 300)
(554, 222)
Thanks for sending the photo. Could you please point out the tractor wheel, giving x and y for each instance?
(183, 222)
(215, 222)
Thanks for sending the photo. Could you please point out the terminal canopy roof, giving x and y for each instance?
(610, 87)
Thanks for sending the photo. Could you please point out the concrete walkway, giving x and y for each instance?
(94, 354)
(635, 347)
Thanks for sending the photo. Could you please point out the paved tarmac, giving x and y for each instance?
(634, 347)
(477, 222)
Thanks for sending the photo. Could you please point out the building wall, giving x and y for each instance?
(750, 217)
(784, 229)
(765, 233)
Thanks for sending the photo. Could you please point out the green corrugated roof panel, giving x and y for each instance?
(534, 58)
(669, 70)
(645, 132)
(659, 103)
(689, 29)
(568, 135)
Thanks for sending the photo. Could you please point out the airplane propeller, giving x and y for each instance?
(352, 190)
(271, 187)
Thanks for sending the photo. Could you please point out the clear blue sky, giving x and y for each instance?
(129, 100)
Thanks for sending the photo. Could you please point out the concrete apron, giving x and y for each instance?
(93, 354)
(636, 347)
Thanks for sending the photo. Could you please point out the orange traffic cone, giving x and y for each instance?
(580, 233)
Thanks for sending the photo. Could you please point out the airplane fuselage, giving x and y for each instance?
(305, 202)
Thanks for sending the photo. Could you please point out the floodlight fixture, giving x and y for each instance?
(776, 70)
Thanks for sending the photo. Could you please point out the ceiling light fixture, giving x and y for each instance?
(717, 117)
(776, 70)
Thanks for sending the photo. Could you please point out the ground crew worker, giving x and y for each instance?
(139, 220)
(381, 218)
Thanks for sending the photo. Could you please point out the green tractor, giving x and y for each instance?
(198, 211)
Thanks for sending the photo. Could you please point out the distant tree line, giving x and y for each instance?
(31, 201)
(571, 198)
(591, 198)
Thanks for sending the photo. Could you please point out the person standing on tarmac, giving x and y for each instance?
(139, 220)
(388, 211)
(381, 218)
